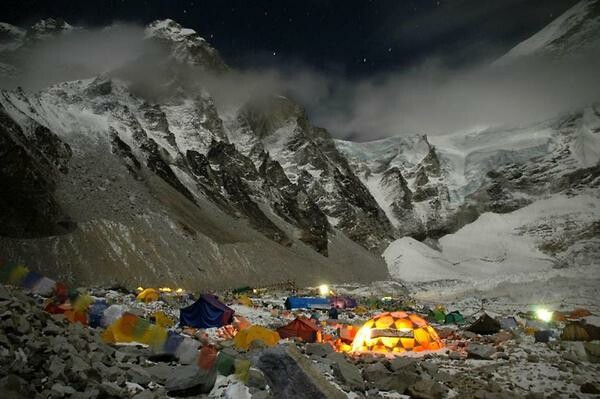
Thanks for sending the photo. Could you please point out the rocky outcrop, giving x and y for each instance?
(27, 180)
(310, 159)
(293, 204)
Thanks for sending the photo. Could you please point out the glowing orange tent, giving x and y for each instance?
(394, 333)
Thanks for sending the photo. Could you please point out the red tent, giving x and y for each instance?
(302, 328)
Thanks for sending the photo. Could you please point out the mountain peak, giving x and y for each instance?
(185, 44)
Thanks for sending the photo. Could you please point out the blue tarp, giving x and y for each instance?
(305, 302)
(206, 312)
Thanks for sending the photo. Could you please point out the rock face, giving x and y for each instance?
(310, 160)
(31, 159)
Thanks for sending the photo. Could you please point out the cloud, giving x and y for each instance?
(434, 100)
(76, 55)
(426, 99)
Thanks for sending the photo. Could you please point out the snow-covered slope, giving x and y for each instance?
(512, 246)
(575, 31)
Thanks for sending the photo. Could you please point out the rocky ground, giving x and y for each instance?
(44, 356)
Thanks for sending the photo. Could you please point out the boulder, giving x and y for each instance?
(349, 374)
(593, 351)
(138, 375)
(291, 375)
(59, 390)
(256, 379)
(318, 349)
(190, 380)
(591, 388)
(375, 372)
(426, 389)
(160, 372)
(480, 351)
(14, 387)
(403, 363)
(399, 381)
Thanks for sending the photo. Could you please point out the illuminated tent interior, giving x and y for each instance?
(396, 332)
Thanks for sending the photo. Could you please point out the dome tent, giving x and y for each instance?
(302, 328)
(206, 312)
(148, 295)
(243, 339)
(396, 332)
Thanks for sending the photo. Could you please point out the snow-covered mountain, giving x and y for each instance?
(165, 189)
(517, 202)
(574, 32)
(138, 173)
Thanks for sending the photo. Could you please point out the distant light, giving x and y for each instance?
(179, 290)
(324, 289)
(544, 314)
(255, 291)
(140, 289)
(164, 289)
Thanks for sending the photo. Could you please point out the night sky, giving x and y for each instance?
(347, 37)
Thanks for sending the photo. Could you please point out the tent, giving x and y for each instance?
(395, 333)
(297, 302)
(575, 331)
(436, 315)
(206, 312)
(509, 323)
(454, 317)
(343, 302)
(245, 337)
(302, 328)
(148, 295)
(485, 325)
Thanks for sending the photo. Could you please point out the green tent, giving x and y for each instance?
(454, 317)
(437, 315)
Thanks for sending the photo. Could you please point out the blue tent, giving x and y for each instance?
(206, 312)
(305, 302)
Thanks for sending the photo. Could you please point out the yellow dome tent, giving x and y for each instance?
(396, 332)
(245, 337)
(148, 295)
